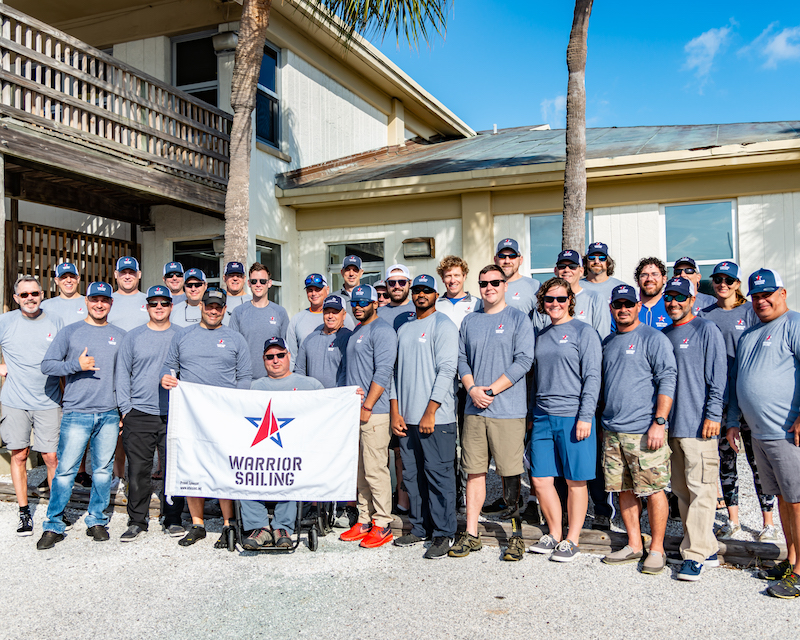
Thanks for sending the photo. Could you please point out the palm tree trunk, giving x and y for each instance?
(247, 65)
(573, 225)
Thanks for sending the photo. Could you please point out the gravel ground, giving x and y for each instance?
(154, 588)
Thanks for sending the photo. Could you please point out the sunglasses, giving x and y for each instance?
(360, 303)
(485, 283)
(510, 256)
(259, 280)
(559, 299)
(272, 356)
(720, 279)
(174, 274)
(425, 290)
(159, 303)
(397, 283)
(688, 271)
(383, 294)
(315, 281)
(193, 285)
(619, 304)
(599, 258)
(32, 294)
(568, 265)
(680, 297)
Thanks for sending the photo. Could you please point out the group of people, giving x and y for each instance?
(595, 385)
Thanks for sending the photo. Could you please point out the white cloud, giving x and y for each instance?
(776, 47)
(701, 51)
(554, 112)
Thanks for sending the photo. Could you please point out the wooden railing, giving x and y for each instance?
(57, 82)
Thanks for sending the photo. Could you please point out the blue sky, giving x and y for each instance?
(673, 62)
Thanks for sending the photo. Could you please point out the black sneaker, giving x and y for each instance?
(84, 480)
(786, 588)
(175, 530)
(601, 523)
(195, 534)
(48, 540)
(439, 549)
(98, 532)
(222, 543)
(531, 515)
(408, 540)
(778, 572)
(283, 539)
(258, 539)
(493, 508)
(515, 551)
(131, 533)
(465, 544)
(25, 527)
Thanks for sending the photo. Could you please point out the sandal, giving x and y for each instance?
(721, 504)
(222, 543)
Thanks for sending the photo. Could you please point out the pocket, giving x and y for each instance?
(656, 461)
(710, 467)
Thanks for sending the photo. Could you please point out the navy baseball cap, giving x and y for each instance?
(507, 243)
(66, 267)
(159, 291)
(679, 285)
(98, 289)
(364, 292)
(570, 256)
(624, 292)
(275, 341)
(764, 281)
(333, 302)
(234, 267)
(127, 262)
(727, 269)
(316, 280)
(424, 281)
(351, 261)
(597, 247)
(685, 260)
(197, 274)
(173, 267)
(215, 295)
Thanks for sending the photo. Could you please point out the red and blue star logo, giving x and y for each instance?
(269, 427)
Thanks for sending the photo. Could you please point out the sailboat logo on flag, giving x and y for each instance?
(269, 427)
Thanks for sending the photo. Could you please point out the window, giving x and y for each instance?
(194, 66)
(267, 105)
(198, 254)
(371, 254)
(269, 254)
(545, 241)
(704, 231)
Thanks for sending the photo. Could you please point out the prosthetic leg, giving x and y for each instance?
(512, 488)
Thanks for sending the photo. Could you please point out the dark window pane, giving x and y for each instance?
(274, 294)
(367, 251)
(700, 231)
(269, 65)
(195, 62)
(197, 254)
(269, 254)
(266, 118)
(206, 95)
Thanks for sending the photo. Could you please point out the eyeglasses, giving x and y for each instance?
(425, 290)
(599, 258)
(259, 280)
(397, 283)
(689, 271)
(159, 303)
(193, 285)
(383, 294)
(509, 254)
(718, 279)
(360, 303)
(272, 356)
(568, 265)
(174, 274)
(32, 294)
(559, 299)
(316, 281)
(619, 304)
(485, 283)
(680, 297)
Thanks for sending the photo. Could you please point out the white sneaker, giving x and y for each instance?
(768, 534)
(728, 530)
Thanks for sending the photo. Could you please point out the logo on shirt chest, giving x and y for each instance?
(331, 347)
(49, 337)
(360, 338)
(112, 342)
(221, 344)
(81, 311)
(768, 341)
(516, 296)
(500, 328)
(661, 321)
(581, 312)
(422, 338)
(631, 349)
(684, 344)
(740, 325)
(143, 308)
(563, 339)
(272, 320)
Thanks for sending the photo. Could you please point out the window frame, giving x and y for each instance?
(530, 271)
(210, 281)
(274, 96)
(277, 285)
(662, 220)
(197, 86)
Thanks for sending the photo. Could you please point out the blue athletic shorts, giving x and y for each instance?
(555, 451)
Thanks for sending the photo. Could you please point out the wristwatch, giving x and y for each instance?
(489, 392)
(661, 421)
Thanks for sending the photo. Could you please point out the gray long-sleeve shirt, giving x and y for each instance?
(427, 360)
(68, 309)
(128, 311)
(603, 289)
(765, 380)
(398, 316)
(702, 376)
(25, 342)
(371, 353)
(302, 325)
(732, 323)
(185, 315)
(568, 361)
(233, 303)
(702, 301)
(491, 345)
(638, 366)
(323, 356)
(138, 371)
(521, 294)
(292, 382)
(217, 357)
(257, 325)
(85, 391)
(589, 308)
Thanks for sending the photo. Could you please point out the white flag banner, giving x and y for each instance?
(262, 445)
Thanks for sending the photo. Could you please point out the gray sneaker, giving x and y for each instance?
(623, 556)
(565, 551)
(408, 540)
(768, 534)
(131, 533)
(258, 539)
(546, 544)
(175, 530)
(439, 549)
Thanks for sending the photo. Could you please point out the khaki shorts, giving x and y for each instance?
(628, 465)
(484, 438)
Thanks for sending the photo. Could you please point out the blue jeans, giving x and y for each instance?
(78, 430)
(255, 515)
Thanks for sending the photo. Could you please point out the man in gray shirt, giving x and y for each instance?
(399, 310)
(599, 271)
(521, 290)
(30, 399)
(687, 268)
(259, 319)
(187, 312)
(639, 375)
(496, 345)
(423, 415)
(351, 275)
(213, 354)
(85, 354)
(255, 517)
(69, 305)
(234, 286)
(323, 354)
(144, 406)
(130, 304)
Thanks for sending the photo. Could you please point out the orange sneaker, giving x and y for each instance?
(377, 537)
(357, 532)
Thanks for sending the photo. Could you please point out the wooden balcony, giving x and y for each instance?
(68, 108)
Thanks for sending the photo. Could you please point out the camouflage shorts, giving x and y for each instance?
(628, 465)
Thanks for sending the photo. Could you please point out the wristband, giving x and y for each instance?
(471, 388)
(365, 409)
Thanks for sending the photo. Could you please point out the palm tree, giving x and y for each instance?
(411, 19)
(573, 224)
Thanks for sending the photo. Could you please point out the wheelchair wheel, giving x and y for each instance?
(313, 539)
(231, 540)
